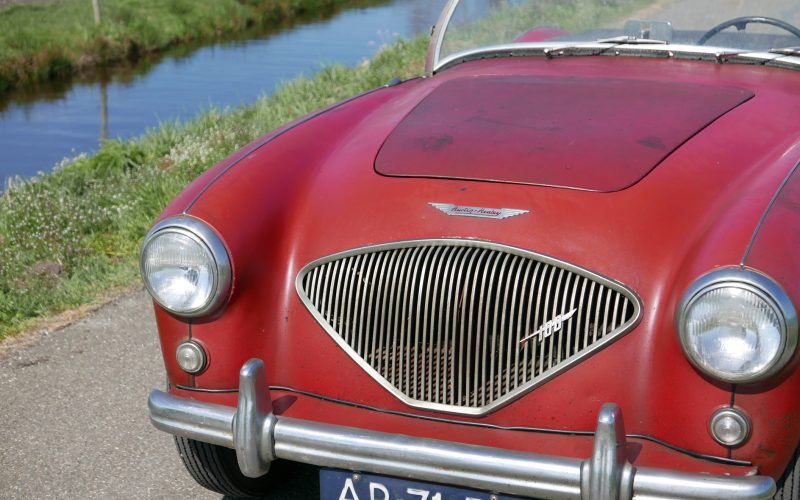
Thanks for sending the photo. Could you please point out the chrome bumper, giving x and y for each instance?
(259, 437)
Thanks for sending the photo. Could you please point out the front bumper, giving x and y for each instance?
(259, 437)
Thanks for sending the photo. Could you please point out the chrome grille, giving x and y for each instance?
(442, 324)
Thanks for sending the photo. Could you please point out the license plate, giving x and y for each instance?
(342, 485)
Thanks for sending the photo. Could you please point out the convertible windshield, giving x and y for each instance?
(733, 25)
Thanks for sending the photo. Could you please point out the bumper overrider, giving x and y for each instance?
(259, 437)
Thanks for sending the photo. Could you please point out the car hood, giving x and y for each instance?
(596, 134)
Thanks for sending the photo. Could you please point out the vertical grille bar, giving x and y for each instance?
(382, 314)
(433, 352)
(366, 298)
(474, 367)
(512, 340)
(394, 306)
(454, 326)
(440, 372)
(462, 325)
(480, 333)
(412, 344)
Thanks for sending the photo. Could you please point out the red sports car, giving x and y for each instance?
(456, 286)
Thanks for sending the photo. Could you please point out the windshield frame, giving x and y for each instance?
(434, 62)
(437, 36)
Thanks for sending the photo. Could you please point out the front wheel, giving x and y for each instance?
(789, 484)
(215, 468)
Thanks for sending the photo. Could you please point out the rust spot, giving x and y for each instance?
(652, 142)
(435, 143)
(763, 453)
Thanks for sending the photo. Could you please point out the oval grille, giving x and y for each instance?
(462, 326)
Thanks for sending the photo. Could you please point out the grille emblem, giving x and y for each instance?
(551, 327)
(480, 212)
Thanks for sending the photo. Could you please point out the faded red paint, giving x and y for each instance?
(598, 134)
(313, 192)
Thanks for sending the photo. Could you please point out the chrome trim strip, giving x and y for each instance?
(480, 467)
(767, 211)
(397, 381)
(201, 233)
(677, 51)
(200, 389)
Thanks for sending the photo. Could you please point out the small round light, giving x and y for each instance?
(191, 357)
(737, 325)
(729, 427)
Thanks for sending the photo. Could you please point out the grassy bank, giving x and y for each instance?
(68, 237)
(43, 42)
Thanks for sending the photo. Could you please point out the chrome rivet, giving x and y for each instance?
(356, 477)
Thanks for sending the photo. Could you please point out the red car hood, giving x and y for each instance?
(597, 134)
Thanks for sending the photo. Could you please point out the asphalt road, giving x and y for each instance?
(73, 414)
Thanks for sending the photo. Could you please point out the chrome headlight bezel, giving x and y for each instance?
(768, 291)
(203, 235)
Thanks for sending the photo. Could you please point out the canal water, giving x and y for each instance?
(38, 130)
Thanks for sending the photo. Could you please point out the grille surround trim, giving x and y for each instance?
(460, 243)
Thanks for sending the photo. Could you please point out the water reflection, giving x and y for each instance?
(39, 128)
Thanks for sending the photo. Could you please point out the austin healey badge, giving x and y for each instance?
(480, 212)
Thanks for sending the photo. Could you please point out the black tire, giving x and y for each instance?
(215, 468)
(789, 484)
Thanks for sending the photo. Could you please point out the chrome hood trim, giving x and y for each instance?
(677, 51)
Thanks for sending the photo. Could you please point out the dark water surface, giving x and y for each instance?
(39, 129)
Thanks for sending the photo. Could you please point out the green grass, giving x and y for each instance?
(43, 42)
(68, 237)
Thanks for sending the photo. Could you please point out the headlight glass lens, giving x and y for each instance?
(733, 333)
(180, 271)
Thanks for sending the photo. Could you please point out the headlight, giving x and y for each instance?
(185, 267)
(737, 325)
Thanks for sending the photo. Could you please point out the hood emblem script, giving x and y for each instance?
(480, 212)
(550, 327)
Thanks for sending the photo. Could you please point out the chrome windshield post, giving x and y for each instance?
(437, 37)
